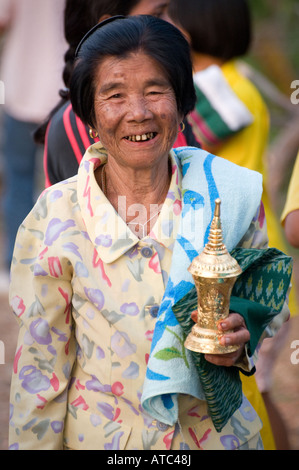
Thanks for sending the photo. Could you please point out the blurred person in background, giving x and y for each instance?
(231, 120)
(31, 68)
(65, 136)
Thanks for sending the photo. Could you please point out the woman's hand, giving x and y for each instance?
(239, 336)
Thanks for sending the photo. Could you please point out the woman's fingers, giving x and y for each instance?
(233, 321)
(226, 360)
(194, 315)
(237, 335)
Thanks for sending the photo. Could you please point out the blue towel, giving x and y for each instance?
(171, 370)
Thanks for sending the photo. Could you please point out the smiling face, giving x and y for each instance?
(136, 111)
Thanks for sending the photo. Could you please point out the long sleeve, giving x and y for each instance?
(40, 296)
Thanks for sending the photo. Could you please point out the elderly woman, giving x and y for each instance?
(103, 256)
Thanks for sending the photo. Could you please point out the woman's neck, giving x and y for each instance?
(137, 195)
(203, 61)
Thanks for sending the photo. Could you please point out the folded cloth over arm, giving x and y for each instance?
(258, 295)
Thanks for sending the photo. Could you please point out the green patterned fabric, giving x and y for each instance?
(258, 295)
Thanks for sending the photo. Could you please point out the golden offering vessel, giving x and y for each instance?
(214, 272)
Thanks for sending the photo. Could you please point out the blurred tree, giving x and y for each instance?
(275, 65)
(276, 40)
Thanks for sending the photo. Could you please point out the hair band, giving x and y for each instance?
(94, 28)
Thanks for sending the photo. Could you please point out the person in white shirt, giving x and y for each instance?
(31, 75)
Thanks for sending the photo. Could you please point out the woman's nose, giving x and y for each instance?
(139, 109)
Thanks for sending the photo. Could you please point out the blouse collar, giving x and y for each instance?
(105, 228)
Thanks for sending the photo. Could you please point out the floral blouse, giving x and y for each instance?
(86, 292)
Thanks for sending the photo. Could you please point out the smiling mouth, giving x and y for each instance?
(141, 137)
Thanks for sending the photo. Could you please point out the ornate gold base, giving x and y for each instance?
(206, 341)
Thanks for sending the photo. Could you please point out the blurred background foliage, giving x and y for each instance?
(273, 64)
(276, 39)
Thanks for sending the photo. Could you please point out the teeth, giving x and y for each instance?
(142, 137)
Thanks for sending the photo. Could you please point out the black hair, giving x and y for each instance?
(155, 37)
(219, 28)
(79, 17)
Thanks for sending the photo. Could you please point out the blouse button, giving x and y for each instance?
(154, 311)
(162, 427)
(146, 252)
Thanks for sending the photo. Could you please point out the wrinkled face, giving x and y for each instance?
(135, 109)
(151, 7)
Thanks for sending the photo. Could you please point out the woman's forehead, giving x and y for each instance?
(138, 63)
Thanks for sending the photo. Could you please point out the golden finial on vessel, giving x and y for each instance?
(214, 272)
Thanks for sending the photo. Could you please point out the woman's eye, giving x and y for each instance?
(115, 96)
